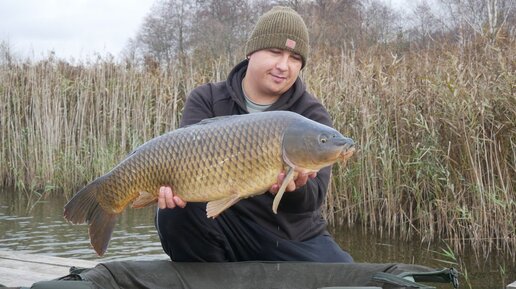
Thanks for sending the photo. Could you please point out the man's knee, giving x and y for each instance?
(186, 235)
(334, 253)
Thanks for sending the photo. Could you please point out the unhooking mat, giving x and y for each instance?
(298, 275)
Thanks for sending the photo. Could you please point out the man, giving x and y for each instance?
(268, 79)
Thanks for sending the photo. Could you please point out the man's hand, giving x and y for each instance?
(167, 199)
(293, 185)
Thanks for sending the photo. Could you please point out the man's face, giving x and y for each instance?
(273, 70)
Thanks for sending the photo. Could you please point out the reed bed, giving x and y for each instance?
(436, 131)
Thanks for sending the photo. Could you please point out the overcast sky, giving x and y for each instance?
(73, 29)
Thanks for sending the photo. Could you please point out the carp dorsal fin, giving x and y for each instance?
(209, 120)
(281, 191)
(144, 199)
(215, 208)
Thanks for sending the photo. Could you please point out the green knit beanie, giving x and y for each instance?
(281, 27)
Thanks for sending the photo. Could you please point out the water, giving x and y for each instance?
(43, 230)
(483, 273)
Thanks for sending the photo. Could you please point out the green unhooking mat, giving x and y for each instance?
(298, 275)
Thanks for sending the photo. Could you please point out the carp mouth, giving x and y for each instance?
(346, 154)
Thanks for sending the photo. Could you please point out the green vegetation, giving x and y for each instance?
(436, 130)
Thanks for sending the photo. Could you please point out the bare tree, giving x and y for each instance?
(381, 23)
(221, 26)
(164, 34)
(425, 24)
(334, 23)
(483, 17)
(6, 53)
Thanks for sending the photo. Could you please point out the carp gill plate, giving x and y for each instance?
(220, 161)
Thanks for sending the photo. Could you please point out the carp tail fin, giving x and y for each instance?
(100, 230)
(85, 208)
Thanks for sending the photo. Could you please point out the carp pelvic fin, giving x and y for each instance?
(143, 200)
(215, 208)
(281, 191)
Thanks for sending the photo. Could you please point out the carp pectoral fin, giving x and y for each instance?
(143, 200)
(215, 208)
(279, 195)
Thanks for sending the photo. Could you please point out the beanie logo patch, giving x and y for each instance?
(290, 43)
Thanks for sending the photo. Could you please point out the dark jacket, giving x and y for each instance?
(299, 214)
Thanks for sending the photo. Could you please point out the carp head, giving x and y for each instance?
(309, 146)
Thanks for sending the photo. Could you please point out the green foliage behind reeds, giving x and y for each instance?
(436, 132)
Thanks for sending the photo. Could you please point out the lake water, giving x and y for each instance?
(43, 230)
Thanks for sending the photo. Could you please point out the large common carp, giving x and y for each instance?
(220, 161)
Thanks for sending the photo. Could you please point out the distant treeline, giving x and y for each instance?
(175, 29)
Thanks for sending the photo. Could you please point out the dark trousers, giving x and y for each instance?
(187, 235)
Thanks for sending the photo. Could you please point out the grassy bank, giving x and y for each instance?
(436, 130)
